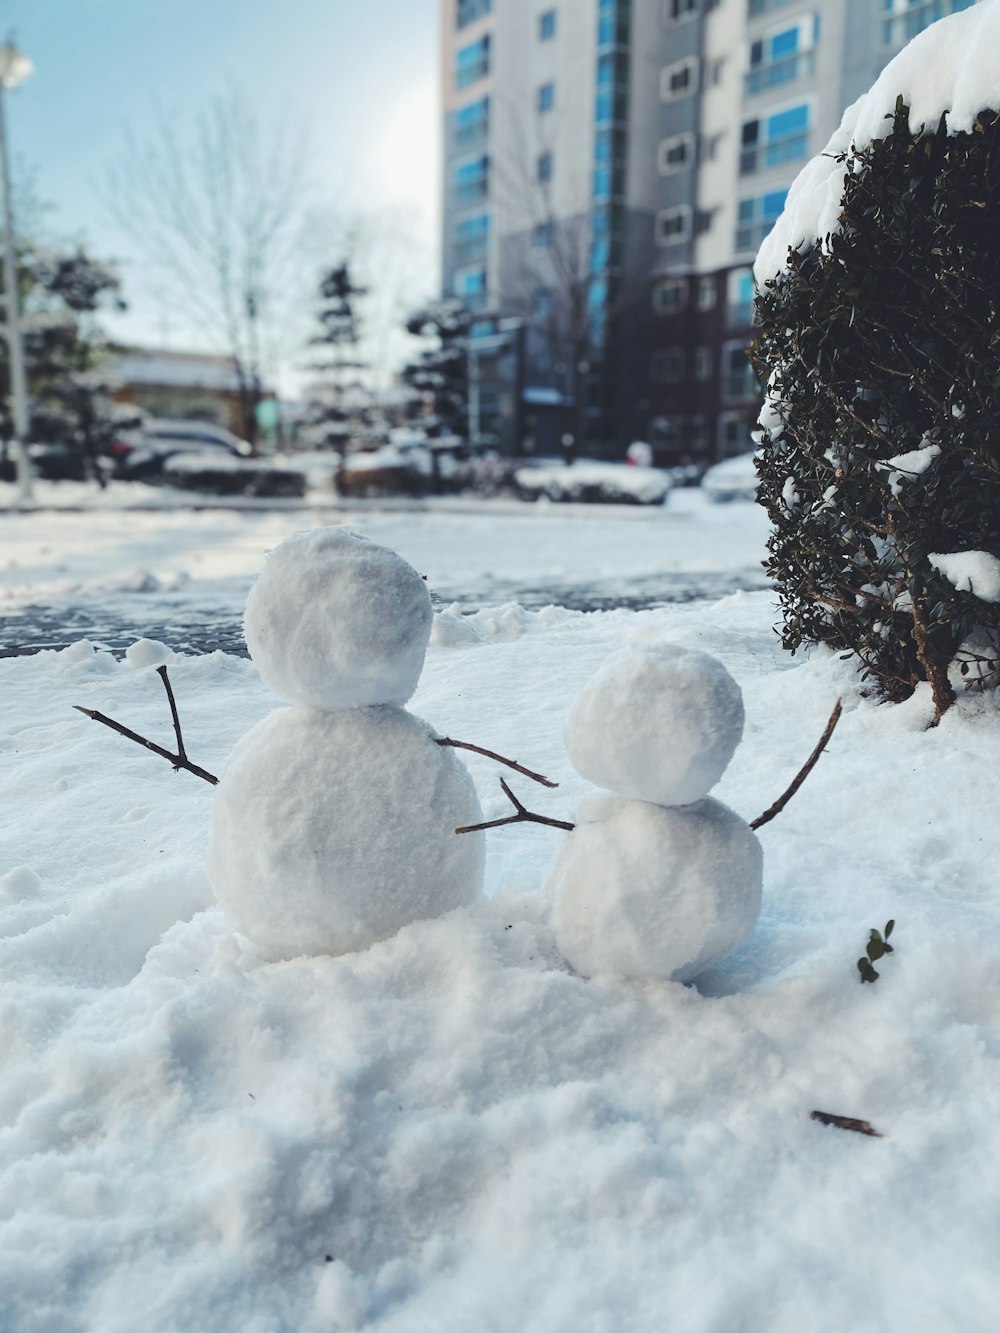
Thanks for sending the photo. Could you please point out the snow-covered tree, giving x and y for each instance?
(440, 374)
(339, 411)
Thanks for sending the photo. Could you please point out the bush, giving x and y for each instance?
(233, 476)
(881, 434)
(588, 482)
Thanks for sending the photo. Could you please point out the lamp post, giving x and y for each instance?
(14, 69)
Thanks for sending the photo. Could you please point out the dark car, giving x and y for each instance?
(141, 454)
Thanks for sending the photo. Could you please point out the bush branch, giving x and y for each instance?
(803, 772)
(845, 1122)
(521, 817)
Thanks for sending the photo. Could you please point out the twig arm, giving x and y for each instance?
(161, 671)
(803, 772)
(501, 759)
(523, 816)
(177, 760)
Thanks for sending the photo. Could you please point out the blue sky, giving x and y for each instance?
(362, 78)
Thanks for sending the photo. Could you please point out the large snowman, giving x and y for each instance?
(658, 879)
(333, 824)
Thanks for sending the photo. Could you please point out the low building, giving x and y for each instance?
(193, 386)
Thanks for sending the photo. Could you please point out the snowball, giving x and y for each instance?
(335, 621)
(331, 830)
(642, 890)
(21, 882)
(657, 722)
(147, 653)
(949, 67)
(977, 572)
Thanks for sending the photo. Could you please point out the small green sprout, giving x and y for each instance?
(878, 946)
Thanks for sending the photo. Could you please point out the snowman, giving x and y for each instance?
(332, 825)
(658, 879)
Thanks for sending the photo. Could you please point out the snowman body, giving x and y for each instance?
(333, 824)
(659, 879)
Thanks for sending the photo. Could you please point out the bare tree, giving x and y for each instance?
(218, 214)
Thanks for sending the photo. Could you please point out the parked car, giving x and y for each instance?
(732, 479)
(143, 452)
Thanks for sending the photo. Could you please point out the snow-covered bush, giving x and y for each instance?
(216, 474)
(880, 344)
(594, 483)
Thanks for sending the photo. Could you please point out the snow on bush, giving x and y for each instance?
(880, 345)
(216, 473)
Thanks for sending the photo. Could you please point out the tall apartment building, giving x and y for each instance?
(610, 169)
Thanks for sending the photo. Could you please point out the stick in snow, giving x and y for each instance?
(492, 754)
(803, 772)
(845, 1122)
(522, 816)
(180, 759)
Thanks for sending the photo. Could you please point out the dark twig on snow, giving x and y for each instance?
(803, 772)
(522, 816)
(180, 759)
(845, 1122)
(161, 671)
(501, 759)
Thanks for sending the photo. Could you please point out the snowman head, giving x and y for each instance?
(335, 621)
(656, 723)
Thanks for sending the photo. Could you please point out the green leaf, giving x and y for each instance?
(890, 926)
(868, 973)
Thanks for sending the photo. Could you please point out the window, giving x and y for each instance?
(471, 123)
(470, 10)
(470, 286)
(667, 366)
(756, 217)
(703, 220)
(734, 434)
(772, 140)
(472, 235)
(714, 71)
(912, 16)
(703, 363)
(669, 295)
(472, 62)
(675, 154)
(783, 56)
(543, 167)
(739, 382)
(673, 225)
(679, 9)
(541, 303)
(679, 79)
(472, 181)
(541, 236)
(546, 96)
(741, 294)
(697, 433)
(547, 25)
(706, 293)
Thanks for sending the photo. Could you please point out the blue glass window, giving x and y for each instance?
(470, 10)
(472, 62)
(541, 236)
(472, 121)
(547, 25)
(546, 96)
(472, 180)
(544, 166)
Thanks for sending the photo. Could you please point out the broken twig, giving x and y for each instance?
(180, 759)
(803, 772)
(845, 1122)
(522, 816)
(501, 759)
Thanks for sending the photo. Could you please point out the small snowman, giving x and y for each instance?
(333, 824)
(659, 879)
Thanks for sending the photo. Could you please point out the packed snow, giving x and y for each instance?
(949, 67)
(453, 1129)
(658, 723)
(336, 621)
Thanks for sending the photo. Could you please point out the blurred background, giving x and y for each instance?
(478, 229)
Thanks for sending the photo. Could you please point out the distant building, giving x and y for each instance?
(194, 386)
(610, 170)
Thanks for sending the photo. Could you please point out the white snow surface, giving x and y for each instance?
(949, 67)
(977, 572)
(658, 722)
(335, 621)
(146, 653)
(330, 831)
(641, 890)
(451, 1130)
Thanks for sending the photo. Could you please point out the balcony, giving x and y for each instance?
(799, 65)
(776, 152)
(898, 29)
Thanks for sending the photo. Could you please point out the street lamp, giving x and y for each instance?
(14, 69)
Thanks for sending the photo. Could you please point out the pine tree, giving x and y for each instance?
(440, 374)
(339, 409)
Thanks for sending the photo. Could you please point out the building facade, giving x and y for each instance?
(610, 169)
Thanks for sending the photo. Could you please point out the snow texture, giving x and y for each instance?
(146, 653)
(977, 572)
(657, 722)
(610, 483)
(333, 830)
(641, 890)
(905, 467)
(335, 621)
(949, 67)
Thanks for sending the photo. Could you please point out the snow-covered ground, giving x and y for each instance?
(452, 1131)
